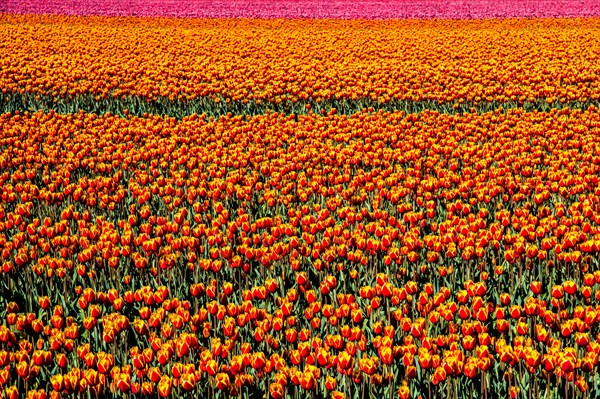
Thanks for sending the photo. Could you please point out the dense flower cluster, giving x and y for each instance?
(275, 61)
(364, 9)
(374, 254)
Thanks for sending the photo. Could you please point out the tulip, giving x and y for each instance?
(516, 311)
(582, 339)
(533, 358)
(557, 291)
(23, 369)
(439, 375)
(367, 366)
(567, 364)
(330, 383)
(57, 382)
(307, 381)
(276, 390)
(566, 328)
(164, 386)
(404, 392)
(212, 367)
(468, 342)
(188, 381)
(61, 360)
(386, 355)
(12, 392)
(484, 364)
(154, 374)
(258, 360)
(570, 288)
(532, 308)
(536, 287)
(470, 369)
(44, 302)
(464, 312)
(123, 382)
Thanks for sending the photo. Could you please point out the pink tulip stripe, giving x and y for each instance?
(365, 9)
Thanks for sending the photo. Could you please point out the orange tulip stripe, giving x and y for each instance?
(239, 65)
(378, 254)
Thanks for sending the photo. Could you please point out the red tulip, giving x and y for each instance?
(23, 369)
(330, 383)
(386, 355)
(276, 390)
(570, 287)
(533, 358)
(439, 375)
(164, 386)
(567, 364)
(557, 291)
(12, 392)
(123, 382)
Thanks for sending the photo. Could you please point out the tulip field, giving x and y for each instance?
(384, 199)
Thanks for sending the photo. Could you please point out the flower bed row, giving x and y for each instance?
(301, 61)
(363, 9)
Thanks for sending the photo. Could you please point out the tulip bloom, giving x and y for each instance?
(164, 386)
